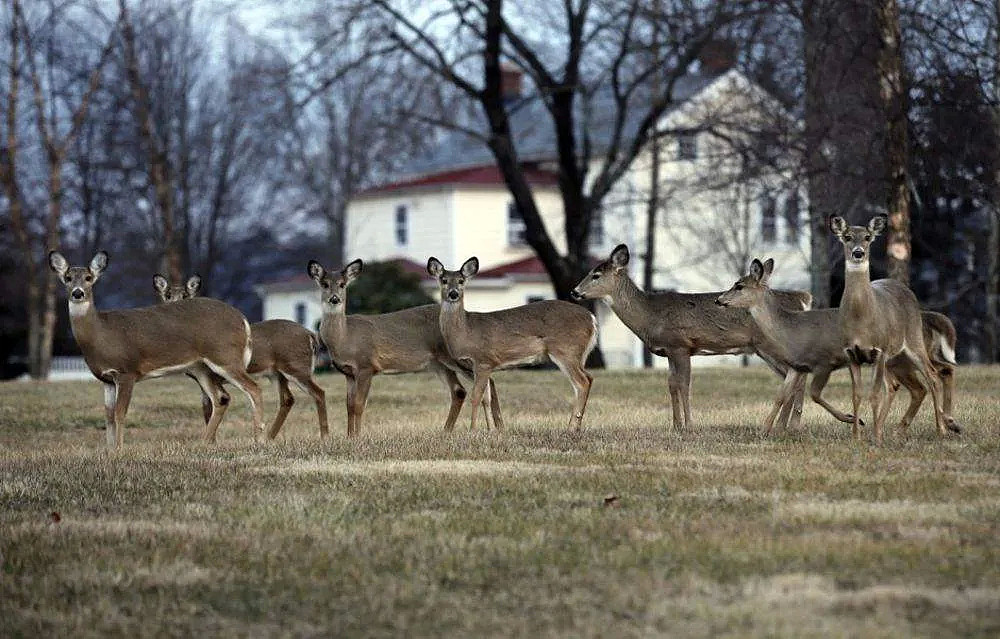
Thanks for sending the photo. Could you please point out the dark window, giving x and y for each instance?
(515, 225)
(687, 146)
(792, 218)
(402, 225)
(768, 221)
(300, 313)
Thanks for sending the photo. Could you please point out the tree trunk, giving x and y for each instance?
(893, 94)
(652, 206)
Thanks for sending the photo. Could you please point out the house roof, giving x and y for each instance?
(535, 140)
(488, 175)
(518, 268)
(301, 281)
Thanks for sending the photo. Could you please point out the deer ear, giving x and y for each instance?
(98, 263)
(58, 263)
(353, 270)
(756, 269)
(620, 256)
(837, 224)
(878, 224)
(315, 270)
(193, 285)
(768, 269)
(434, 267)
(471, 267)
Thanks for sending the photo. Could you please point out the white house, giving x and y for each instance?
(453, 204)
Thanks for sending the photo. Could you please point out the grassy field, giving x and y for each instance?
(624, 529)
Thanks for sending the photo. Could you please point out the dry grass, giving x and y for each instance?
(412, 531)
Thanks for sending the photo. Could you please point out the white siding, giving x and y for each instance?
(371, 226)
(282, 305)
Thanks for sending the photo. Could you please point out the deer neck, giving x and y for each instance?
(335, 324)
(858, 300)
(776, 325)
(631, 305)
(86, 324)
(453, 316)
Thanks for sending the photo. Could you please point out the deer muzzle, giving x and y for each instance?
(858, 253)
(453, 295)
(77, 294)
(334, 299)
(575, 294)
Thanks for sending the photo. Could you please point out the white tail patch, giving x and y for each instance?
(593, 338)
(946, 350)
(248, 349)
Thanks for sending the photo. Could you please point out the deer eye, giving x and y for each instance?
(849, 238)
(67, 279)
(868, 238)
(461, 280)
(738, 287)
(88, 278)
(595, 276)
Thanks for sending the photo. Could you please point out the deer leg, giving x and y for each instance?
(495, 405)
(581, 381)
(675, 382)
(285, 402)
(944, 422)
(352, 390)
(946, 371)
(819, 380)
(878, 393)
(110, 397)
(481, 379)
(457, 392)
(364, 384)
(218, 400)
(306, 382)
(784, 398)
(206, 400)
(239, 378)
(791, 414)
(855, 369)
(905, 374)
(123, 397)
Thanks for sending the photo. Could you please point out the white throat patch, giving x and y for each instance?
(79, 309)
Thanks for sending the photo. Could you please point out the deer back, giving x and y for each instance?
(144, 341)
(281, 345)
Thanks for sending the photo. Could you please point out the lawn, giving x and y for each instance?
(624, 529)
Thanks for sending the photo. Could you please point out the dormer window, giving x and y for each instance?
(768, 220)
(687, 146)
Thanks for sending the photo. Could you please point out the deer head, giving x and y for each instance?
(168, 293)
(749, 290)
(857, 239)
(603, 279)
(333, 286)
(79, 280)
(453, 283)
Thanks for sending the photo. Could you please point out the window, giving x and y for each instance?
(792, 218)
(402, 226)
(535, 298)
(768, 221)
(300, 313)
(597, 229)
(515, 225)
(687, 146)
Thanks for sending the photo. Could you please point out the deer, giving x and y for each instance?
(880, 322)
(808, 341)
(124, 347)
(679, 325)
(405, 341)
(282, 349)
(561, 331)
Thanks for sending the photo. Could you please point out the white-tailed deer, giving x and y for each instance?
(127, 346)
(679, 325)
(809, 342)
(282, 349)
(405, 341)
(562, 331)
(880, 322)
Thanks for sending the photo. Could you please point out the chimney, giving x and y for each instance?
(510, 82)
(717, 57)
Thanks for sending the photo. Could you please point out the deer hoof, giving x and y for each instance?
(952, 425)
(850, 419)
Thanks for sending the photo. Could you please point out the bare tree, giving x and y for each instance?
(59, 113)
